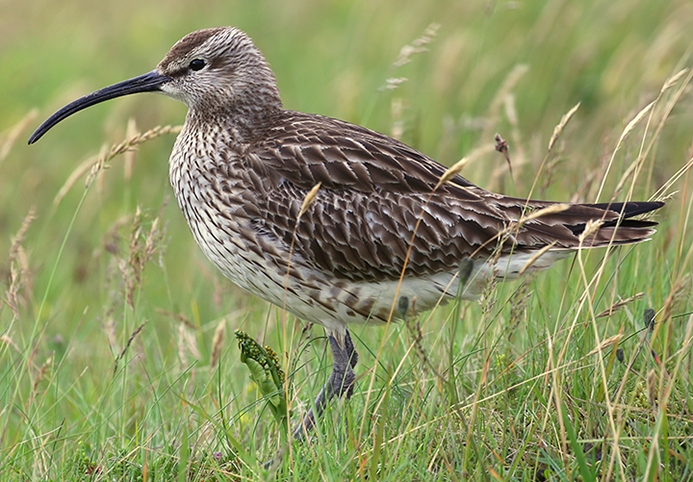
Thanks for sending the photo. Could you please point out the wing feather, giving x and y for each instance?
(375, 189)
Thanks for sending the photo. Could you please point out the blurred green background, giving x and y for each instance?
(512, 67)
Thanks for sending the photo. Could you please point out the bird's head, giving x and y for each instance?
(213, 71)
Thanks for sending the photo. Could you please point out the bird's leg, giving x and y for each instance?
(340, 383)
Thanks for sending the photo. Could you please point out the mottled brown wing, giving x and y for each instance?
(307, 149)
(357, 236)
(373, 191)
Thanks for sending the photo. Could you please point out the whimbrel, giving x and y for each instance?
(381, 238)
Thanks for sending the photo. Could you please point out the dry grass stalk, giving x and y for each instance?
(308, 200)
(561, 125)
(180, 345)
(447, 176)
(652, 389)
(631, 125)
(109, 330)
(680, 289)
(660, 193)
(414, 327)
(591, 227)
(131, 269)
(673, 79)
(644, 151)
(129, 156)
(452, 172)
(15, 132)
(618, 305)
(21, 234)
(397, 114)
(40, 375)
(519, 157)
(127, 345)
(407, 52)
(218, 343)
(489, 297)
(180, 317)
(143, 248)
(635, 167)
(604, 344)
(535, 257)
(417, 46)
(473, 156)
(518, 308)
(6, 340)
(505, 234)
(94, 165)
(392, 83)
(506, 88)
(191, 343)
(500, 99)
(126, 145)
(20, 273)
(511, 110)
(72, 179)
(552, 209)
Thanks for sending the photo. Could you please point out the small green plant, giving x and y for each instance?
(265, 371)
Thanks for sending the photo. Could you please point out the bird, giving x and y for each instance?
(334, 222)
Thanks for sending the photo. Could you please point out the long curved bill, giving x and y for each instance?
(149, 82)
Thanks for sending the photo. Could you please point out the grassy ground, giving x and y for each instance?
(117, 360)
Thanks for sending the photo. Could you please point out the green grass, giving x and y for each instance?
(109, 310)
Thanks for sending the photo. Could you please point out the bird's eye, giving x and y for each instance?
(196, 64)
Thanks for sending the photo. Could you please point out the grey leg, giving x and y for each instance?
(340, 383)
